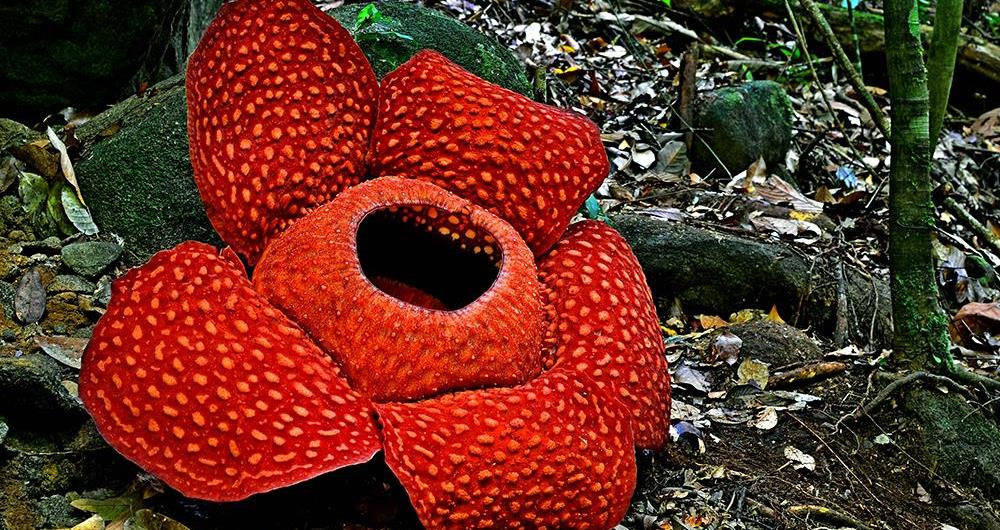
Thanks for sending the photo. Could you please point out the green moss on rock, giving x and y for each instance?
(959, 442)
(136, 173)
(407, 28)
(742, 124)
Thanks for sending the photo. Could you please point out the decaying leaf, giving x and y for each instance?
(799, 459)
(766, 420)
(685, 375)
(111, 509)
(711, 322)
(78, 213)
(67, 350)
(92, 523)
(752, 372)
(149, 520)
(29, 300)
(64, 162)
(773, 315)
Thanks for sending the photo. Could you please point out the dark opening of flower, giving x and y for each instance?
(514, 364)
(417, 262)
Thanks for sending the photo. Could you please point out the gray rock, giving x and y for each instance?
(49, 245)
(32, 390)
(90, 258)
(742, 124)
(71, 283)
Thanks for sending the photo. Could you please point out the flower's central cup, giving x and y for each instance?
(414, 290)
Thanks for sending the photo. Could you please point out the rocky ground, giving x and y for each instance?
(773, 308)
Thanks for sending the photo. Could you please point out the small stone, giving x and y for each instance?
(63, 314)
(90, 258)
(11, 265)
(103, 293)
(71, 283)
(49, 245)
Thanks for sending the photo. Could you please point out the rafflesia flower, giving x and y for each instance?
(441, 311)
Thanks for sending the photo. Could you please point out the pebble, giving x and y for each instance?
(71, 283)
(90, 258)
(49, 245)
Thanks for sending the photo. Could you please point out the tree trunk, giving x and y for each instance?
(941, 62)
(921, 335)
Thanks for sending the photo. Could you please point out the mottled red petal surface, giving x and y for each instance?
(197, 379)
(602, 322)
(555, 453)
(397, 343)
(281, 104)
(531, 164)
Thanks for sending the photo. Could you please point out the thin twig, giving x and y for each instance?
(972, 223)
(812, 69)
(852, 74)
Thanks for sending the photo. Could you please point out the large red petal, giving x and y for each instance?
(602, 322)
(531, 164)
(378, 277)
(281, 104)
(555, 453)
(197, 379)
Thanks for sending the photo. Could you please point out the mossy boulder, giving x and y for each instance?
(78, 53)
(740, 125)
(406, 28)
(136, 173)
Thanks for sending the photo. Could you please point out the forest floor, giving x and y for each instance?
(754, 447)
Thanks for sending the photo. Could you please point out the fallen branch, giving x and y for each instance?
(975, 55)
(972, 223)
(852, 73)
(806, 374)
(828, 514)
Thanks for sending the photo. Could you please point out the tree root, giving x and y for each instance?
(901, 382)
(828, 514)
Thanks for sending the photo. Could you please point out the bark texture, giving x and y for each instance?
(921, 335)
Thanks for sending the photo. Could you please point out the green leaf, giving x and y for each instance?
(747, 39)
(149, 520)
(593, 210)
(367, 16)
(667, 2)
(53, 206)
(33, 190)
(77, 213)
(111, 509)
